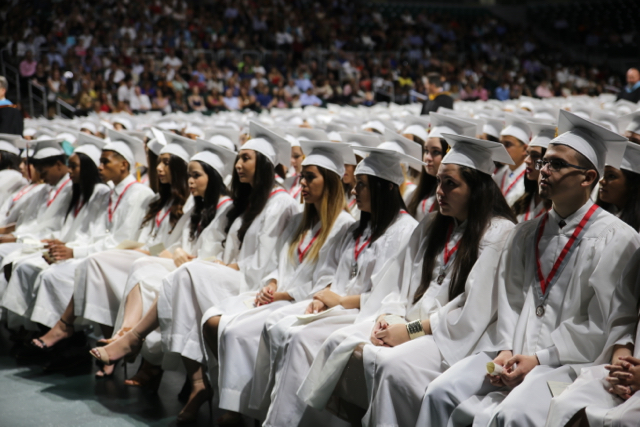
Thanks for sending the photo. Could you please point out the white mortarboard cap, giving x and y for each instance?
(395, 141)
(631, 158)
(29, 131)
(630, 123)
(179, 146)
(194, 130)
(225, 137)
(8, 143)
(27, 152)
(334, 136)
(608, 120)
(597, 143)
(125, 122)
(442, 123)
(129, 147)
(493, 127)
(385, 164)
(70, 137)
(416, 126)
(302, 134)
(216, 156)
(475, 153)
(546, 113)
(269, 143)
(157, 141)
(45, 148)
(292, 140)
(374, 124)
(329, 155)
(542, 134)
(90, 146)
(90, 126)
(135, 133)
(360, 140)
(516, 127)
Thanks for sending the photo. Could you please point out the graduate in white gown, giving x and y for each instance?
(618, 189)
(11, 180)
(439, 288)
(555, 282)
(392, 140)
(530, 205)
(288, 344)
(515, 138)
(258, 217)
(202, 239)
(306, 264)
(84, 218)
(127, 203)
(434, 148)
(349, 179)
(100, 279)
(15, 204)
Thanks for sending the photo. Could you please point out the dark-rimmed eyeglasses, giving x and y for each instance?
(556, 165)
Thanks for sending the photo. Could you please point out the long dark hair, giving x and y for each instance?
(177, 192)
(426, 185)
(630, 212)
(487, 202)
(152, 172)
(531, 190)
(89, 177)
(250, 200)
(9, 161)
(206, 207)
(386, 203)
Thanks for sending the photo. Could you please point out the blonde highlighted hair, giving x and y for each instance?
(332, 204)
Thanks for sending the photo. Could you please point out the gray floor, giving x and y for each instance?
(29, 397)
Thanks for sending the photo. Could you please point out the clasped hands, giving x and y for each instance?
(624, 377)
(58, 251)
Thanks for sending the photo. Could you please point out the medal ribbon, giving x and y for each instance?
(528, 213)
(279, 190)
(303, 253)
(223, 201)
(58, 192)
(158, 222)
(352, 203)
(545, 283)
(21, 193)
(111, 212)
(77, 209)
(518, 178)
(449, 253)
(357, 251)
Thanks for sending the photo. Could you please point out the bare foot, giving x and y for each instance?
(130, 343)
(60, 331)
(115, 337)
(201, 392)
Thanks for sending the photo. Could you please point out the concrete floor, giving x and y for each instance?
(29, 397)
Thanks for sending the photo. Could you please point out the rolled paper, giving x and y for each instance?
(493, 369)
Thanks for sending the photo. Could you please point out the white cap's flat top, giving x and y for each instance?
(475, 153)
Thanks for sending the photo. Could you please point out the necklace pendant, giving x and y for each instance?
(440, 278)
(540, 311)
(354, 269)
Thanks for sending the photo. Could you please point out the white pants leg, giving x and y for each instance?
(100, 283)
(397, 379)
(54, 292)
(527, 405)
(457, 384)
(21, 290)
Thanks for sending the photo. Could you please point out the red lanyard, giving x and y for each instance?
(223, 201)
(303, 253)
(545, 281)
(58, 192)
(518, 178)
(77, 209)
(158, 222)
(424, 204)
(449, 253)
(279, 190)
(111, 212)
(352, 203)
(357, 251)
(527, 214)
(22, 193)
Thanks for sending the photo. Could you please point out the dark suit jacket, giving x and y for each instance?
(441, 100)
(630, 96)
(11, 120)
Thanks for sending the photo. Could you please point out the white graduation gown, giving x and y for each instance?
(511, 183)
(200, 286)
(10, 181)
(457, 328)
(291, 345)
(409, 189)
(425, 207)
(293, 187)
(56, 282)
(353, 208)
(148, 272)
(533, 211)
(569, 334)
(590, 389)
(21, 292)
(101, 278)
(15, 204)
(240, 328)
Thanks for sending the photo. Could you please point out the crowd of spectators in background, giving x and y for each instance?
(182, 55)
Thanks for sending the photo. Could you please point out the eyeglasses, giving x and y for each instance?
(556, 165)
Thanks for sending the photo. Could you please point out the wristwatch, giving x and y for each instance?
(415, 329)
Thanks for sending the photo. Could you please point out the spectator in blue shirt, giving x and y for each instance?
(308, 98)
(264, 97)
(502, 92)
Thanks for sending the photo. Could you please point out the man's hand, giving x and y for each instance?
(512, 377)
